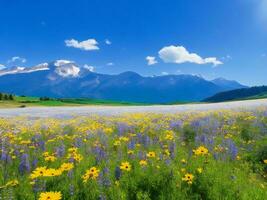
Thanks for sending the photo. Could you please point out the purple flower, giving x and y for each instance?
(117, 173)
(176, 125)
(24, 165)
(131, 144)
(60, 151)
(34, 163)
(5, 157)
(100, 154)
(172, 148)
(102, 197)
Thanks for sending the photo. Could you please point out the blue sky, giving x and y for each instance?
(210, 38)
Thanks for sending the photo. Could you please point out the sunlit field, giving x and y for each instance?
(203, 155)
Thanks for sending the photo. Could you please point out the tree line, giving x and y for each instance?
(4, 96)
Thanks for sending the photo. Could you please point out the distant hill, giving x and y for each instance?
(244, 93)
(229, 84)
(65, 79)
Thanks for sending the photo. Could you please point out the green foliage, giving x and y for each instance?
(217, 150)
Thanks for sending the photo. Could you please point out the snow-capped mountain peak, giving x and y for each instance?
(63, 68)
(67, 70)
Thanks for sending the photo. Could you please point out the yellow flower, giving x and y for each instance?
(52, 172)
(184, 161)
(167, 152)
(126, 166)
(199, 170)
(265, 161)
(66, 166)
(73, 150)
(125, 139)
(45, 154)
(50, 158)
(130, 152)
(188, 178)
(117, 143)
(38, 172)
(117, 183)
(50, 196)
(151, 154)
(25, 142)
(201, 151)
(10, 183)
(143, 162)
(92, 173)
(169, 135)
(108, 130)
(74, 155)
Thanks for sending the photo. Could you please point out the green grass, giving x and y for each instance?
(25, 101)
(259, 96)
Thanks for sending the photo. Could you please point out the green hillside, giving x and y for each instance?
(239, 94)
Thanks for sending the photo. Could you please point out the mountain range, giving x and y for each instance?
(65, 79)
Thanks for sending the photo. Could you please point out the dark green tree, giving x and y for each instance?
(5, 97)
(11, 97)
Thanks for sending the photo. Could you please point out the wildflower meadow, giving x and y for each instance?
(190, 155)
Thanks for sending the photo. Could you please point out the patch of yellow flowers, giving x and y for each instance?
(91, 173)
(201, 151)
(49, 172)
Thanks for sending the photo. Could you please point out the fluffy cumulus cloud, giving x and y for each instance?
(17, 59)
(179, 54)
(108, 42)
(2, 67)
(110, 64)
(89, 67)
(86, 45)
(58, 63)
(151, 60)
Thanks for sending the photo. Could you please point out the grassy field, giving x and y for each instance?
(205, 155)
(35, 101)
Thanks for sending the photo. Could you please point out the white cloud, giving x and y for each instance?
(87, 45)
(108, 42)
(2, 67)
(17, 58)
(227, 57)
(151, 60)
(164, 73)
(110, 64)
(89, 67)
(58, 63)
(179, 54)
